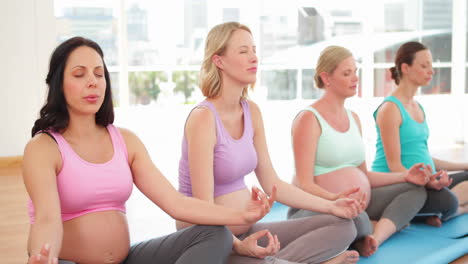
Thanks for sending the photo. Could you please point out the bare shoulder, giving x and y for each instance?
(200, 119)
(254, 108)
(42, 151)
(255, 112)
(201, 114)
(127, 134)
(388, 108)
(306, 118)
(132, 142)
(42, 145)
(305, 124)
(256, 115)
(388, 111)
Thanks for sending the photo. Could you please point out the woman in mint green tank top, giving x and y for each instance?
(403, 132)
(330, 159)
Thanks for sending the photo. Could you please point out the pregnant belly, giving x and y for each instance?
(345, 179)
(100, 237)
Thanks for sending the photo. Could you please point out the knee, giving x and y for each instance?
(416, 194)
(420, 193)
(345, 229)
(445, 197)
(221, 234)
(450, 201)
(349, 230)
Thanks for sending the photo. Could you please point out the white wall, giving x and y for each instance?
(27, 32)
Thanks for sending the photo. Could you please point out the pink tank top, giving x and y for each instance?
(86, 187)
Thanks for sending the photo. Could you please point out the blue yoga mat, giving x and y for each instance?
(454, 228)
(408, 246)
(417, 244)
(278, 212)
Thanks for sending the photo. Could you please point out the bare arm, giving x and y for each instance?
(448, 165)
(378, 179)
(288, 194)
(41, 162)
(389, 120)
(305, 135)
(200, 132)
(158, 189)
(418, 173)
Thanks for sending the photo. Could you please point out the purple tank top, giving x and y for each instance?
(233, 158)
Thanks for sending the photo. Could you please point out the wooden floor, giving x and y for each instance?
(14, 223)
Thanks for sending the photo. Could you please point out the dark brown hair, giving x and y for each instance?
(405, 54)
(54, 114)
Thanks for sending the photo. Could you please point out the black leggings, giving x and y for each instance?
(443, 203)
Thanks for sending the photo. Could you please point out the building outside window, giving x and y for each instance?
(160, 62)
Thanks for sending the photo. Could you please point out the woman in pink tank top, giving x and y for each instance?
(224, 140)
(79, 170)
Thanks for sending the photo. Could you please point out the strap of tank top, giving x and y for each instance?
(58, 138)
(117, 140)
(404, 114)
(218, 122)
(397, 102)
(322, 122)
(61, 143)
(248, 117)
(352, 121)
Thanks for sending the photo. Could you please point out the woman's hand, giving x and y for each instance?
(249, 246)
(259, 205)
(349, 207)
(418, 174)
(348, 193)
(439, 180)
(43, 256)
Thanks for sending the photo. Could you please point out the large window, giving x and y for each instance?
(426, 21)
(97, 22)
(154, 48)
(466, 28)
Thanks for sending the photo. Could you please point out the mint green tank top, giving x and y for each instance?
(413, 140)
(336, 150)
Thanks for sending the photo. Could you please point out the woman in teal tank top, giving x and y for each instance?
(330, 159)
(403, 132)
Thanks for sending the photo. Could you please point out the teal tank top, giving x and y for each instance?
(413, 140)
(336, 150)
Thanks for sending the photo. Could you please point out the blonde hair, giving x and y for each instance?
(329, 59)
(216, 44)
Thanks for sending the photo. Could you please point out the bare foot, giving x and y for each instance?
(347, 257)
(434, 221)
(366, 246)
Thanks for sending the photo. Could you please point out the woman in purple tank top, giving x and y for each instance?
(79, 170)
(224, 140)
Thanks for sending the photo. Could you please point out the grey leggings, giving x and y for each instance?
(305, 240)
(195, 244)
(362, 223)
(397, 202)
(443, 203)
